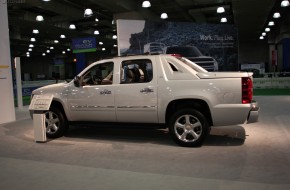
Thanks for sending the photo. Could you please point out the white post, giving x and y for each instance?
(7, 109)
(18, 83)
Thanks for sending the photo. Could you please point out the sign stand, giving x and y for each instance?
(39, 104)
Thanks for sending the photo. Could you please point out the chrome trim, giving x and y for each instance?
(91, 107)
(130, 107)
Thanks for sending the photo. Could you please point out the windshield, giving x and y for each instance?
(190, 51)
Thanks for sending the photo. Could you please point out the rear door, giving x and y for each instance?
(136, 96)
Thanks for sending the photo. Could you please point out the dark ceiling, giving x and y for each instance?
(249, 16)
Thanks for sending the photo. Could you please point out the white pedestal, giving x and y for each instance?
(39, 127)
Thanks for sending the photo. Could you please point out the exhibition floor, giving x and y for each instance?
(253, 156)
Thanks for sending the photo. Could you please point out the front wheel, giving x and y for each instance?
(55, 123)
(188, 127)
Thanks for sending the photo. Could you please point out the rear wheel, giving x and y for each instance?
(55, 123)
(188, 127)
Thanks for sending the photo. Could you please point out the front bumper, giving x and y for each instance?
(254, 113)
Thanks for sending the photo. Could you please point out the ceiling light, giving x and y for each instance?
(67, 49)
(285, 3)
(31, 45)
(45, 0)
(115, 45)
(267, 29)
(29, 49)
(27, 55)
(96, 32)
(43, 54)
(113, 22)
(63, 52)
(101, 43)
(56, 41)
(164, 16)
(261, 37)
(32, 39)
(35, 31)
(51, 47)
(103, 49)
(88, 13)
(224, 19)
(72, 26)
(62, 36)
(271, 23)
(96, 19)
(276, 15)
(47, 51)
(146, 4)
(220, 10)
(264, 34)
(39, 18)
(114, 37)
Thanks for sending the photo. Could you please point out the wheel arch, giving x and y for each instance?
(58, 104)
(197, 104)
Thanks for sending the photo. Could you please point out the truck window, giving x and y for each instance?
(101, 74)
(136, 71)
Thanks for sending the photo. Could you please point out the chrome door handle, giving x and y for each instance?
(146, 90)
(105, 92)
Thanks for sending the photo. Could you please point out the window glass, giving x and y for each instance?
(101, 74)
(136, 71)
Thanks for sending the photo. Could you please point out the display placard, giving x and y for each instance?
(40, 102)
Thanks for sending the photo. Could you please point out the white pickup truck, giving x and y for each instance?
(152, 89)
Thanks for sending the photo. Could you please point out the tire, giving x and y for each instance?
(188, 127)
(55, 123)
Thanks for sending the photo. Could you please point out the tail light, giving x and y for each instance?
(247, 90)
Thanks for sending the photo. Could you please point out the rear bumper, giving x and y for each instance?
(254, 113)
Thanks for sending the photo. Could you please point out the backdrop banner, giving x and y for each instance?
(200, 42)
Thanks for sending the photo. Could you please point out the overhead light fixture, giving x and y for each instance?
(48, 51)
(62, 36)
(51, 47)
(63, 52)
(96, 32)
(271, 23)
(45, 0)
(261, 37)
(114, 37)
(103, 49)
(264, 34)
(113, 22)
(220, 10)
(115, 45)
(31, 45)
(285, 3)
(146, 4)
(56, 41)
(35, 31)
(276, 15)
(32, 39)
(39, 18)
(88, 13)
(267, 29)
(96, 19)
(29, 49)
(101, 43)
(27, 55)
(67, 49)
(164, 16)
(224, 19)
(43, 54)
(72, 26)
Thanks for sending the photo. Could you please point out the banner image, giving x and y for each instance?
(84, 45)
(212, 46)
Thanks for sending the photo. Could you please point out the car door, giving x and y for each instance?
(136, 96)
(93, 100)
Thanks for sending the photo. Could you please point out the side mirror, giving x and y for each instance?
(77, 81)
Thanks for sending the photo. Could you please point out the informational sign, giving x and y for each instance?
(80, 45)
(40, 102)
